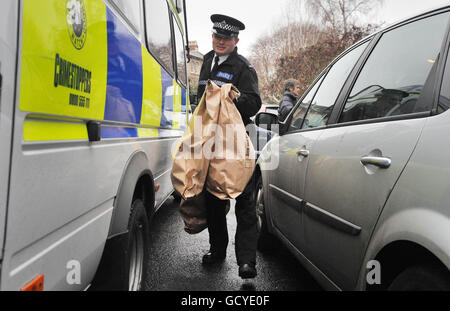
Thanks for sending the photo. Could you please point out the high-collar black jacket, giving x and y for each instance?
(237, 70)
(287, 103)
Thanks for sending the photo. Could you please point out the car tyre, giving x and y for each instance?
(266, 241)
(422, 278)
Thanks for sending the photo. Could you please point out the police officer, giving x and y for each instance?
(224, 65)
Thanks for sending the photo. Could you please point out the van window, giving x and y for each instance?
(131, 9)
(326, 96)
(180, 52)
(393, 77)
(159, 37)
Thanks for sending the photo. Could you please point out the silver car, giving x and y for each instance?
(357, 183)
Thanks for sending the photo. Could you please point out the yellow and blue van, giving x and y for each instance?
(93, 97)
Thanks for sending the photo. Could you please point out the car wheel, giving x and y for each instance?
(138, 246)
(266, 241)
(422, 278)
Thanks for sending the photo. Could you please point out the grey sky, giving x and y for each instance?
(260, 16)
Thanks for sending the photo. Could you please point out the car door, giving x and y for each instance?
(287, 186)
(286, 180)
(355, 164)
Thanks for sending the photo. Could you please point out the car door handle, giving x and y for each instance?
(303, 153)
(377, 161)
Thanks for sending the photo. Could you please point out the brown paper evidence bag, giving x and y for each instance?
(215, 154)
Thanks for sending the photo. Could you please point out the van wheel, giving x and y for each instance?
(266, 241)
(422, 278)
(123, 265)
(138, 247)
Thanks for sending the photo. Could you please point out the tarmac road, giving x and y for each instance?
(175, 261)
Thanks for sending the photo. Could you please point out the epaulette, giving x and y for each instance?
(245, 61)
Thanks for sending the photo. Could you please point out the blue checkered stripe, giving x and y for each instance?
(217, 82)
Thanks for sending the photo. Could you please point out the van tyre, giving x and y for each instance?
(138, 247)
(422, 278)
(123, 265)
(266, 241)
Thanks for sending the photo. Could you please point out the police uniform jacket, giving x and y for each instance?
(237, 70)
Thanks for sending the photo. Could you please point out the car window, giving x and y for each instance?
(444, 98)
(158, 32)
(300, 111)
(131, 9)
(326, 96)
(180, 52)
(393, 77)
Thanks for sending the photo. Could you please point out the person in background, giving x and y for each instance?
(290, 98)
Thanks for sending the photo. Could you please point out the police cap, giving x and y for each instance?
(226, 26)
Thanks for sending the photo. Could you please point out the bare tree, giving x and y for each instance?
(307, 37)
(340, 15)
(293, 32)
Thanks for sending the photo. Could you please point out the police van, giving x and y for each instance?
(93, 98)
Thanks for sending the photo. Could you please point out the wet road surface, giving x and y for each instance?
(175, 261)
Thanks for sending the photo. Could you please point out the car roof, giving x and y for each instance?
(436, 8)
(392, 25)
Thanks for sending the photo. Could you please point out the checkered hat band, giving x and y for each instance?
(224, 26)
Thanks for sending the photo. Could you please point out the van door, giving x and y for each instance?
(8, 45)
(354, 167)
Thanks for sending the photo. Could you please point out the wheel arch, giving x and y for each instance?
(137, 182)
(403, 239)
(397, 256)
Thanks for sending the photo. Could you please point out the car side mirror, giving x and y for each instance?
(266, 120)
